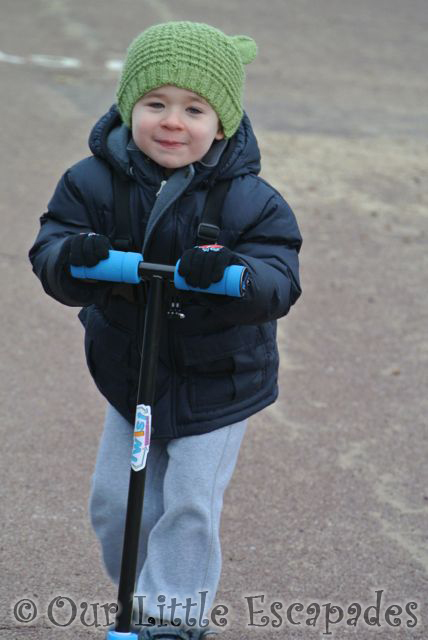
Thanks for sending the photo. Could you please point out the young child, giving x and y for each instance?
(177, 130)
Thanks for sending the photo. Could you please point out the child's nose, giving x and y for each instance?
(172, 119)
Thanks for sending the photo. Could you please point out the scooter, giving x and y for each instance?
(129, 267)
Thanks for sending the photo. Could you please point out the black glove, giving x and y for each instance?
(201, 266)
(85, 250)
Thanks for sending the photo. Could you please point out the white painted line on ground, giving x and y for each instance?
(6, 57)
(55, 62)
(114, 65)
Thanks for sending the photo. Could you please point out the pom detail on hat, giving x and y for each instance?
(247, 48)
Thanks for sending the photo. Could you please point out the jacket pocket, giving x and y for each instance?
(108, 354)
(224, 367)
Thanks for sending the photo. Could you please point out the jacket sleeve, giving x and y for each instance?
(269, 248)
(67, 214)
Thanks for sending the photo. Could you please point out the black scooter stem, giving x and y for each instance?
(145, 398)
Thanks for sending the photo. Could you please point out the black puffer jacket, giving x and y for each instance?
(220, 364)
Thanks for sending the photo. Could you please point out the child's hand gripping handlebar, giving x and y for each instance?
(130, 267)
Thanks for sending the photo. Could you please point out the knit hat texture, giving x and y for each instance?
(191, 56)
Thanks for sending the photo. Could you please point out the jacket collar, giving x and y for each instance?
(147, 171)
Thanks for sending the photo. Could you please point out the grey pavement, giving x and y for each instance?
(329, 503)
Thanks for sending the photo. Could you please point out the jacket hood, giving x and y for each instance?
(109, 140)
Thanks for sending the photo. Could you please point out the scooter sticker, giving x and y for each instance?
(142, 430)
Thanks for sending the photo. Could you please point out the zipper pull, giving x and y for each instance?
(162, 184)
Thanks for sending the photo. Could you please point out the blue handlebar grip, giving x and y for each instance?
(231, 284)
(120, 266)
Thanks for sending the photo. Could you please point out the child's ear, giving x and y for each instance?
(220, 134)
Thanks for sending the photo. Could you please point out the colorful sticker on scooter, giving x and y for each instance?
(142, 431)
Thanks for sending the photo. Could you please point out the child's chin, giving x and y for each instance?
(173, 164)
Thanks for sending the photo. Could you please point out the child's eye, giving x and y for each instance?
(155, 105)
(194, 110)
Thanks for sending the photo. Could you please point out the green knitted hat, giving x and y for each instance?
(190, 56)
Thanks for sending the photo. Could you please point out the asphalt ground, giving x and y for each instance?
(329, 503)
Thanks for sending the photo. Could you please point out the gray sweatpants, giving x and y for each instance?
(180, 554)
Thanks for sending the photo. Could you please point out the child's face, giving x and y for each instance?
(174, 127)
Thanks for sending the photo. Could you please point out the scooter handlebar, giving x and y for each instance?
(129, 267)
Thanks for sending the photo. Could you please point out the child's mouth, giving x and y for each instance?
(170, 144)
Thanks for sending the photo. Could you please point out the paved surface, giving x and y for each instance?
(329, 503)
